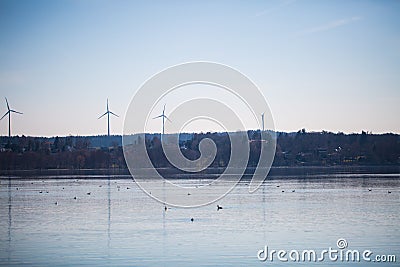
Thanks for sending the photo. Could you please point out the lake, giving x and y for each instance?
(54, 221)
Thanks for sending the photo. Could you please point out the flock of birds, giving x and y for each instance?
(165, 207)
(118, 188)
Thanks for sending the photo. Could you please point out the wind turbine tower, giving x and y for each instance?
(163, 116)
(108, 112)
(9, 111)
(262, 119)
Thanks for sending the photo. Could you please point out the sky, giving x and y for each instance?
(321, 65)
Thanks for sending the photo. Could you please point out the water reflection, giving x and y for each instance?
(164, 234)
(264, 211)
(109, 212)
(9, 217)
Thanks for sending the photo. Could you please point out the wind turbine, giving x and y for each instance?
(262, 118)
(108, 112)
(163, 116)
(9, 111)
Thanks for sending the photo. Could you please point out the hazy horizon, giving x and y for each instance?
(203, 132)
(329, 66)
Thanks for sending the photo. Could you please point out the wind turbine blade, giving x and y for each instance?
(163, 109)
(11, 110)
(167, 118)
(160, 116)
(107, 105)
(5, 115)
(113, 114)
(8, 107)
(103, 115)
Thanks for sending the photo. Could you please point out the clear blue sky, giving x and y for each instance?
(323, 65)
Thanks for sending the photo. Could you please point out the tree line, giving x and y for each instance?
(292, 149)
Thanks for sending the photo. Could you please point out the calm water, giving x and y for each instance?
(119, 225)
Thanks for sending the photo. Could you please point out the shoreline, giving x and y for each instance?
(176, 174)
